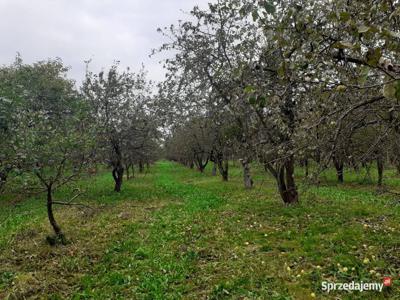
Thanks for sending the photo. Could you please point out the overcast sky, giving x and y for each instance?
(78, 30)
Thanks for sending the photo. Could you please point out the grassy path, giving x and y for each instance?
(177, 234)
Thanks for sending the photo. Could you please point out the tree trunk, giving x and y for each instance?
(127, 172)
(133, 171)
(141, 167)
(118, 168)
(225, 169)
(248, 182)
(284, 175)
(289, 194)
(191, 164)
(318, 156)
(380, 165)
(214, 169)
(306, 167)
(118, 174)
(367, 172)
(3, 179)
(200, 165)
(339, 169)
(50, 215)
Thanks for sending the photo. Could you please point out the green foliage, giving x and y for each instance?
(48, 130)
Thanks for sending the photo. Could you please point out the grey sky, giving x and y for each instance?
(77, 30)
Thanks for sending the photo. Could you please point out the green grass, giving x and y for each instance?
(174, 233)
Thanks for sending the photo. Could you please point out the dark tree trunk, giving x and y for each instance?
(147, 165)
(214, 169)
(248, 182)
(50, 215)
(141, 167)
(367, 172)
(289, 191)
(284, 176)
(339, 166)
(318, 156)
(118, 174)
(306, 167)
(380, 165)
(192, 165)
(3, 179)
(223, 167)
(118, 168)
(201, 165)
(127, 172)
(398, 168)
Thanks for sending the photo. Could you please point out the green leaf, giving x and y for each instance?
(341, 88)
(249, 89)
(255, 15)
(253, 100)
(269, 7)
(262, 101)
(345, 16)
(373, 56)
(363, 29)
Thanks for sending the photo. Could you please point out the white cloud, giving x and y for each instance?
(77, 30)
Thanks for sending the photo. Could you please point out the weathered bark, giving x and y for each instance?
(50, 215)
(118, 167)
(223, 167)
(222, 163)
(288, 190)
(200, 164)
(284, 175)
(380, 165)
(214, 169)
(339, 166)
(118, 174)
(247, 180)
